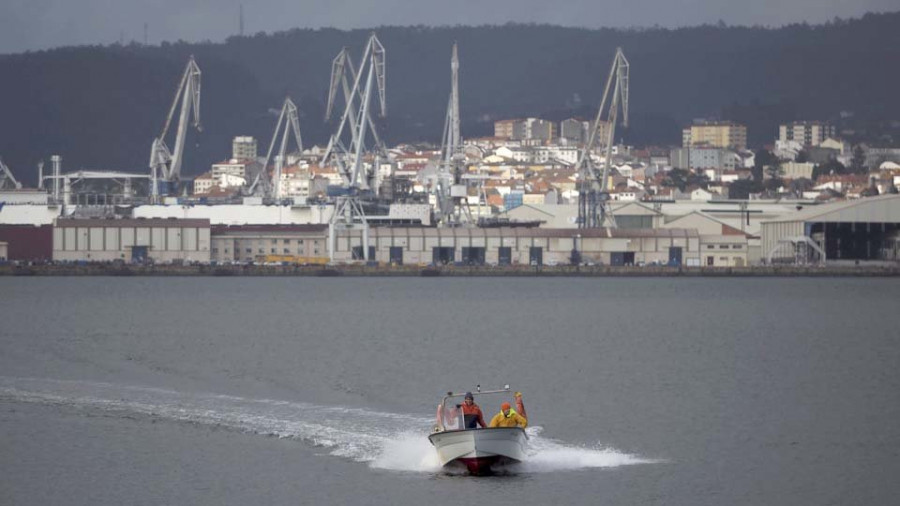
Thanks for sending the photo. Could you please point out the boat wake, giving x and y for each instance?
(388, 441)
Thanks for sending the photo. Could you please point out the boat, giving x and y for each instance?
(479, 450)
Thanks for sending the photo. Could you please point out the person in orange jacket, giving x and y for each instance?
(507, 417)
(472, 412)
(472, 415)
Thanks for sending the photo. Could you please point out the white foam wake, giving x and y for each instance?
(383, 440)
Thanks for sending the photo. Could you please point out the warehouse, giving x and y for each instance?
(269, 243)
(523, 246)
(27, 242)
(863, 230)
(131, 240)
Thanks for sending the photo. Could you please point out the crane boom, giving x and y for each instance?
(7, 178)
(593, 195)
(289, 120)
(451, 210)
(357, 115)
(163, 162)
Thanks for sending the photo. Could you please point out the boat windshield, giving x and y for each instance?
(450, 416)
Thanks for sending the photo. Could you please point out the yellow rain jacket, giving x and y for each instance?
(512, 420)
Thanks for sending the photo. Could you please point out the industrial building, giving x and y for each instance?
(262, 243)
(861, 230)
(163, 241)
(131, 240)
(27, 242)
(523, 246)
(721, 245)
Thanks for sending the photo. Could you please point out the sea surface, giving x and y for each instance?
(669, 391)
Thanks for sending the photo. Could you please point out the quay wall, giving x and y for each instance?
(111, 269)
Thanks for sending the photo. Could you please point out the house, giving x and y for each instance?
(721, 245)
(797, 170)
(701, 194)
(203, 183)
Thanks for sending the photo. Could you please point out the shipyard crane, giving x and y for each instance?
(348, 145)
(343, 73)
(290, 122)
(7, 180)
(166, 164)
(449, 189)
(593, 195)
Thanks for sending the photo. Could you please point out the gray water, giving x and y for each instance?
(302, 391)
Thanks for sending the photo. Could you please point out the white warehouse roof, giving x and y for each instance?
(881, 209)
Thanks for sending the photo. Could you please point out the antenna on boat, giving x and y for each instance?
(478, 388)
(506, 387)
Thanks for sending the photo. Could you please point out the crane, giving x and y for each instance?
(348, 145)
(593, 195)
(7, 180)
(164, 163)
(449, 189)
(289, 120)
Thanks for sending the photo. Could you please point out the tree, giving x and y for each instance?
(773, 177)
(676, 178)
(762, 159)
(681, 179)
(858, 162)
(872, 190)
(802, 156)
(832, 166)
(800, 185)
(742, 188)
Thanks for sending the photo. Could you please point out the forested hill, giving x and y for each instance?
(100, 107)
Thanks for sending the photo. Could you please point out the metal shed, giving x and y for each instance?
(857, 230)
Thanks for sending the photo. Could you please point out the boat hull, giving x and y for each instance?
(480, 449)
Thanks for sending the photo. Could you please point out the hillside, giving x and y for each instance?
(100, 107)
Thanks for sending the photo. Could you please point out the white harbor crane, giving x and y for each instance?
(343, 74)
(593, 195)
(289, 120)
(449, 189)
(7, 180)
(348, 145)
(166, 164)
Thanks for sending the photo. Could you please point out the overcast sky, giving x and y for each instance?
(41, 24)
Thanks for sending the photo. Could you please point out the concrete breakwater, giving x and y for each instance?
(101, 269)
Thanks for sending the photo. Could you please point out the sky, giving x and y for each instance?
(42, 24)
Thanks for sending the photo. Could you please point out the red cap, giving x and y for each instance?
(504, 406)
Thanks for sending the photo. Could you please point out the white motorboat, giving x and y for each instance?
(479, 449)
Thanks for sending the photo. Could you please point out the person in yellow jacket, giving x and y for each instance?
(507, 417)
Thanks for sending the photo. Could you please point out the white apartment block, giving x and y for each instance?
(807, 133)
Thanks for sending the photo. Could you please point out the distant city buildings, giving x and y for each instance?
(806, 133)
(533, 161)
(575, 130)
(244, 148)
(526, 129)
(234, 172)
(717, 134)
